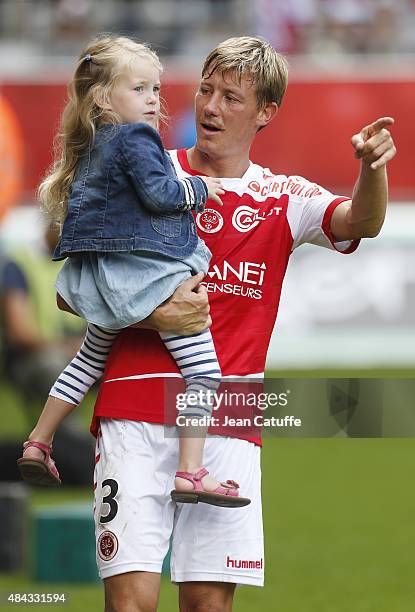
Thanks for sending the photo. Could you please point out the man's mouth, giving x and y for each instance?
(208, 127)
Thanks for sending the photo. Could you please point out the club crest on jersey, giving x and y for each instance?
(246, 218)
(107, 545)
(209, 221)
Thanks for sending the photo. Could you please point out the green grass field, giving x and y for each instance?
(338, 529)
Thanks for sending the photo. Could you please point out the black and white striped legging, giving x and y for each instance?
(195, 356)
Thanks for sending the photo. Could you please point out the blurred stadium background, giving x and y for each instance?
(338, 512)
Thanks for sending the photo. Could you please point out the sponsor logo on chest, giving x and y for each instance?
(246, 272)
(243, 279)
(298, 187)
(246, 218)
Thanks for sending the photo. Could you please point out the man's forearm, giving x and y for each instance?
(364, 217)
(185, 313)
(167, 318)
(369, 201)
(147, 323)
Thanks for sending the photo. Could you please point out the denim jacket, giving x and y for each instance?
(126, 196)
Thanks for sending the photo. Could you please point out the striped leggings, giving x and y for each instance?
(195, 356)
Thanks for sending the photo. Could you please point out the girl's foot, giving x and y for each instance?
(192, 490)
(37, 466)
(208, 482)
(32, 452)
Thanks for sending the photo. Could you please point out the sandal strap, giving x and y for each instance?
(230, 487)
(201, 474)
(192, 477)
(43, 447)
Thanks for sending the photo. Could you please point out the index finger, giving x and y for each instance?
(192, 282)
(378, 125)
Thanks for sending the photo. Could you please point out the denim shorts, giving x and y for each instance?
(115, 290)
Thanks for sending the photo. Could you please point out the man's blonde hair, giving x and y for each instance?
(254, 58)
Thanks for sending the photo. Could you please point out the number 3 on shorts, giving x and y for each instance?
(109, 499)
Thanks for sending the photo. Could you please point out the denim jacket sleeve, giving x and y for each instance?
(145, 162)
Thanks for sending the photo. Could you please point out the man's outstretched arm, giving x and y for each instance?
(363, 217)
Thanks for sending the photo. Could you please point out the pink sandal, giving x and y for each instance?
(38, 471)
(226, 495)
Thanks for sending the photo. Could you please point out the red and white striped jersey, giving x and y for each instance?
(264, 218)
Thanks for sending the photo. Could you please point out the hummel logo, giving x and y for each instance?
(243, 563)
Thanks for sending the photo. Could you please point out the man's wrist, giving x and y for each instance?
(150, 322)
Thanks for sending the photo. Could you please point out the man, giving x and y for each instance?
(263, 219)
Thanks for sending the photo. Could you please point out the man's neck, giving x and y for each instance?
(224, 167)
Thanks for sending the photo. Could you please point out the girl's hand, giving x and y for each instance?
(215, 189)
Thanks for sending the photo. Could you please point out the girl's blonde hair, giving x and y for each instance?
(100, 64)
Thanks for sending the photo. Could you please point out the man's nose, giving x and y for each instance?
(212, 107)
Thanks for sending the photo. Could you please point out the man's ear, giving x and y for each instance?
(267, 114)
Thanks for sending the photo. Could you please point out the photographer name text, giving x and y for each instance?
(257, 421)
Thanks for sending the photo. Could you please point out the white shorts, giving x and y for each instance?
(135, 516)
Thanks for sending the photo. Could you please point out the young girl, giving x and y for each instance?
(130, 240)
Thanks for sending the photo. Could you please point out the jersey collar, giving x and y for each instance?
(184, 162)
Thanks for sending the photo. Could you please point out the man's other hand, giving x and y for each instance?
(374, 144)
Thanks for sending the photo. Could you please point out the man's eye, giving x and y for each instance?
(156, 88)
(138, 88)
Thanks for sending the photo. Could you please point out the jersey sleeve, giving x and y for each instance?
(145, 163)
(309, 216)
